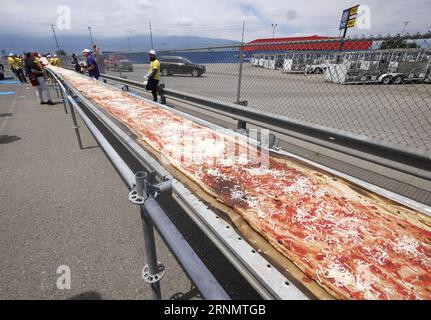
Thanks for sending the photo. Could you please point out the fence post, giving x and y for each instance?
(241, 124)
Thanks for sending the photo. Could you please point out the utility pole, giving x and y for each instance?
(55, 37)
(91, 36)
(274, 25)
(128, 44)
(151, 37)
(405, 26)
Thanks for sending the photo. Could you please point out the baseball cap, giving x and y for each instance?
(86, 51)
(153, 52)
(11, 54)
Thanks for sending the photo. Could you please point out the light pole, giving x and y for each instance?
(91, 36)
(274, 25)
(151, 37)
(405, 26)
(128, 43)
(55, 37)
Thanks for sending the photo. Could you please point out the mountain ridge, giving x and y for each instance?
(76, 43)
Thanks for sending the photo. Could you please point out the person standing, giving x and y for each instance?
(153, 75)
(75, 63)
(92, 67)
(98, 55)
(56, 61)
(1, 71)
(37, 79)
(16, 67)
(44, 60)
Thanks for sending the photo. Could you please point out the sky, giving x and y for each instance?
(205, 18)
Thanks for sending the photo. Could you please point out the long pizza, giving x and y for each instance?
(354, 246)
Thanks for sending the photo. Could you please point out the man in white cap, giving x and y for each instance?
(92, 67)
(44, 60)
(153, 75)
(37, 79)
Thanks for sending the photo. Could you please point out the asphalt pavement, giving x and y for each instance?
(61, 206)
(393, 114)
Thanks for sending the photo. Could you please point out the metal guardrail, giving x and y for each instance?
(267, 281)
(212, 227)
(152, 215)
(400, 158)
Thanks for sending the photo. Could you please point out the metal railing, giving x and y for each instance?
(144, 190)
(268, 282)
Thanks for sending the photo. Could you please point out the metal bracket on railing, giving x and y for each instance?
(149, 189)
(153, 278)
(135, 198)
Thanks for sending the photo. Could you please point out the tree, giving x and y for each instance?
(61, 52)
(397, 43)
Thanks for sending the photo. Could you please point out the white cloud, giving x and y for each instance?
(145, 4)
(211, 18)
(185, 22)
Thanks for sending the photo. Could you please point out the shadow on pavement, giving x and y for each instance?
(89, 295)
(4, 139)
(193, 293)
(4, 115)
(91, 147)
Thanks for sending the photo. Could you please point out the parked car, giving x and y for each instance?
(316, 68)
(118, 62)
(178, 65)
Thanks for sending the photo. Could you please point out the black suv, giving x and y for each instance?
(179, 65)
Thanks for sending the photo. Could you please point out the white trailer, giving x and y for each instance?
(381, 66)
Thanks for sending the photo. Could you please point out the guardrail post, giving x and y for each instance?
(75, 124)
(63, 97)
(153, 271)
(56, 88)
(242, 125)
(162, 94)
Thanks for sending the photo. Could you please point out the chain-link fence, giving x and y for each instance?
(378, 87)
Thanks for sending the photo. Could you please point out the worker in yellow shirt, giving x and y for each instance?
(153, 75)
(16, 66)
(56, 61)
